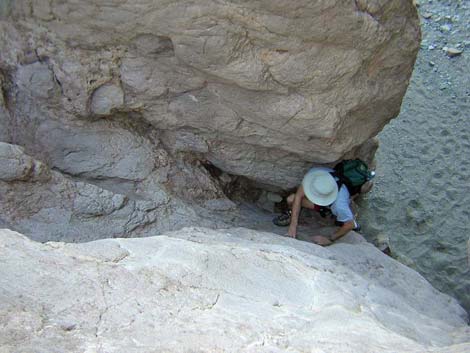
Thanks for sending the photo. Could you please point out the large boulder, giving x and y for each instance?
(258, 84)
(218, 291)
(144, 116)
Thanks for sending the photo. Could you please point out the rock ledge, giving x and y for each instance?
(235, 290)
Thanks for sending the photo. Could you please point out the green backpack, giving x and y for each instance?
(353, 173)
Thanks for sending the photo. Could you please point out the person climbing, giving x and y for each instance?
(328, 191)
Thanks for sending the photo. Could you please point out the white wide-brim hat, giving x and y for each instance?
(320, 187)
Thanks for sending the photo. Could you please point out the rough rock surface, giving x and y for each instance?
(15, 164)
(235, 290)
(51, 206)
(250, 85)
(127, 103)
(47, 205)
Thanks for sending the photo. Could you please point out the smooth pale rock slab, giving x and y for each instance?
(235, 290)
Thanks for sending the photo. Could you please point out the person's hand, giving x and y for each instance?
(321, 240)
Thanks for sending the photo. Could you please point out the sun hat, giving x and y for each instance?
(320, 187)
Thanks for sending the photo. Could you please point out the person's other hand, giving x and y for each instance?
(321, 240)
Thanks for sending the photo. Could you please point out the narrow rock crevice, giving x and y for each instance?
(235, 187)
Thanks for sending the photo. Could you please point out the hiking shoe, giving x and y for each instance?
(357, 228)
(283, 220)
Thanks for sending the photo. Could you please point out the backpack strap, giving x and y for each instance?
(340, 181)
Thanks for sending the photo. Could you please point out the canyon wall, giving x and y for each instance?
(133, 100)
(131, 118)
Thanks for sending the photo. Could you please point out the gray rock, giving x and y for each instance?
(37, 79)
(185, 141)
(68, 326)
(106, 98)
(274, 197)
(452, 52)
(92, 201)
(99, 150)
(15, 165)
(55, 207)
(4, 125)
(5, 9)
(468, 251)
(382, 242)
(235, 290)
(267, 199)
(220, 205)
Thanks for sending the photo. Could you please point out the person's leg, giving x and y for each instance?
(290, 200)
(305, 202)
(285, 218)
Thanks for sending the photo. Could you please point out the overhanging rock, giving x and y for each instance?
(261, 85)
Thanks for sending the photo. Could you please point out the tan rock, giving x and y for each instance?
(118, 102)
(263, 80)
(452, 52)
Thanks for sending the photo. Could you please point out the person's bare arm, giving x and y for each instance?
(297, 204)
(343, 230)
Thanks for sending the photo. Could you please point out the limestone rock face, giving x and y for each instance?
(47, 205)
(106, 98)
(15, 164)
(234, 291)
(256, 84)
(120, 107)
